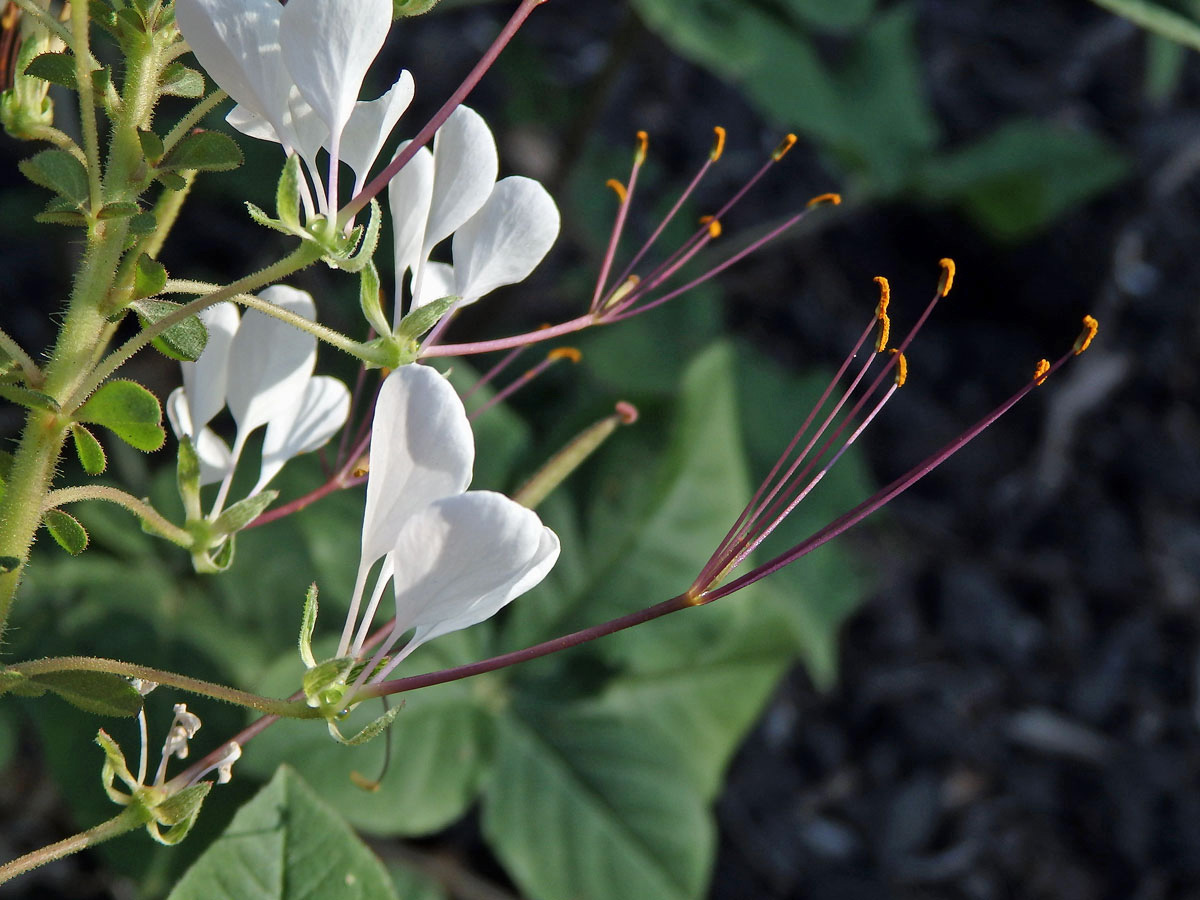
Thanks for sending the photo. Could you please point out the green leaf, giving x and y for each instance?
(185, 340)
(368, 299)
(171, 180)
(1157, 18)
(625, 821)
(152, 145)
(28, 398)
(179, 81)
(179, 812)
(88, 449)
(287, 195)
(146, 222)
(120, 209)
(411, 7)
(259, 216)
(128, 410)
(244, 512)
(18, 684)
(1024, 175)
(286, 844)
(831, 14)
(368, 732)
(204, 151)
(307, 624)
(421, 319)
(58, 171)
(150, 278)
(66, 531)
(101, 693)
(56, 68)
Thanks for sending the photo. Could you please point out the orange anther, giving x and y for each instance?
(947, 277)
(885, 295)
(784, 146)
(1090, 327)
(718, 145)
(901, 368)
(714, 227)
(571, 353)
(1040, 370)
(618, 189)
(885, 331)
(824, 199)
(643, 140)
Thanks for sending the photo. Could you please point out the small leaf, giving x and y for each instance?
(204, 151)
(56, 68)
(54, 214)
(152, 145)
(259, 216)
(370, 732)
(411, 7)
(150, 278)
(185, 340)
(368, 299)
(287, 193)
(101, 693)
(58, 171)
(120, 209)
(421, 319)
(179, 811)
(244, 512)
(187, 477)
(66, 531)
(172, 181)
(130, 411)
(28, 398)
(307, 625)
(180, 81)
(88, 449)
(286, 844)
(18, 684)
(143, 223)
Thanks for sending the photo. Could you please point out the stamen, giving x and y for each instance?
(719, 145)
(643, 140)
(223, 765)
(947, 279)
(1090, 327)
(527, 376)
(623, 291)
(627, 412)
(618, 189)
(901, 368)
(784, 146)
(1040, 371)
(824, 200)
(885, 331)
(714, 225)
(885, 295)
(571, 353)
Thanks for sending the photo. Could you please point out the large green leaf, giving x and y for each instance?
(1158, 18)
(583, 806)
(286, 844)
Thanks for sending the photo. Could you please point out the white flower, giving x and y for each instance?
(261, 368)
(454, 557)
(502, 229)
(296, 72)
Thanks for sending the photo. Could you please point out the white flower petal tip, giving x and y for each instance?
(465, 169)
(323, 409)
(371, 123)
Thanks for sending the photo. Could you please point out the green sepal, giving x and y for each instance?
(179, 812)
(243, 512)
(183, 341)
(368, 299)
(204, 151)
(421, 319)
(128, 410)
(179, 81)
(223, 558)
(287, 194)
(28, 398)
(411, 7)
(259, 216)
(325, 683)
(101, 693)
(187, 477)
(56, 68)
(371, 731)
(307, 625)
(88, 449)
(152, 146)
(58, 171)
(366, 248)
(66, 531)
(114, 767)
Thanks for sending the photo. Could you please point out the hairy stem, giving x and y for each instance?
(139, 508)
(125, 821)
(33, 375)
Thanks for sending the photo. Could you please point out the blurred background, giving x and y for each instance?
(995, 688)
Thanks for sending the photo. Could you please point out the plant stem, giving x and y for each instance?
(518, 340)
(125, 821)
(285, 708)
(33, 375)
(80, 24)
(48, 21)
(139, 508)
(189, 121)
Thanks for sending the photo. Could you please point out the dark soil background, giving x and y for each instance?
(1019, 697)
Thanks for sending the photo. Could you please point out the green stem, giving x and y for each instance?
(166, 213)
(80, 24)
(52, 135)
(304, 255)
(291, 709)
(140, 508)
(125, 821)
(188, 122)
(48, 21)
(33, 375)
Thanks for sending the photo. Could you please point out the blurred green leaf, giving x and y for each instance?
(94, 692)
(1158, 18)
(412, 885)
(286, 844)
(828, 14)
(8, 736)
(1022, 176)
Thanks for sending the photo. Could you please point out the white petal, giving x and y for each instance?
(372, 122)
(323, 409)
(486, 606)
(215, 460)
(459, 560)
(437, 281)
(251, 124)
(205, 381)
(465, 166)
(506, 239)
(328, 46)
(422, 450)
(410, 193)
(270, 361)
(237, 43)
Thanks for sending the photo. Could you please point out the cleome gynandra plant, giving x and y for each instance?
(435, 556)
